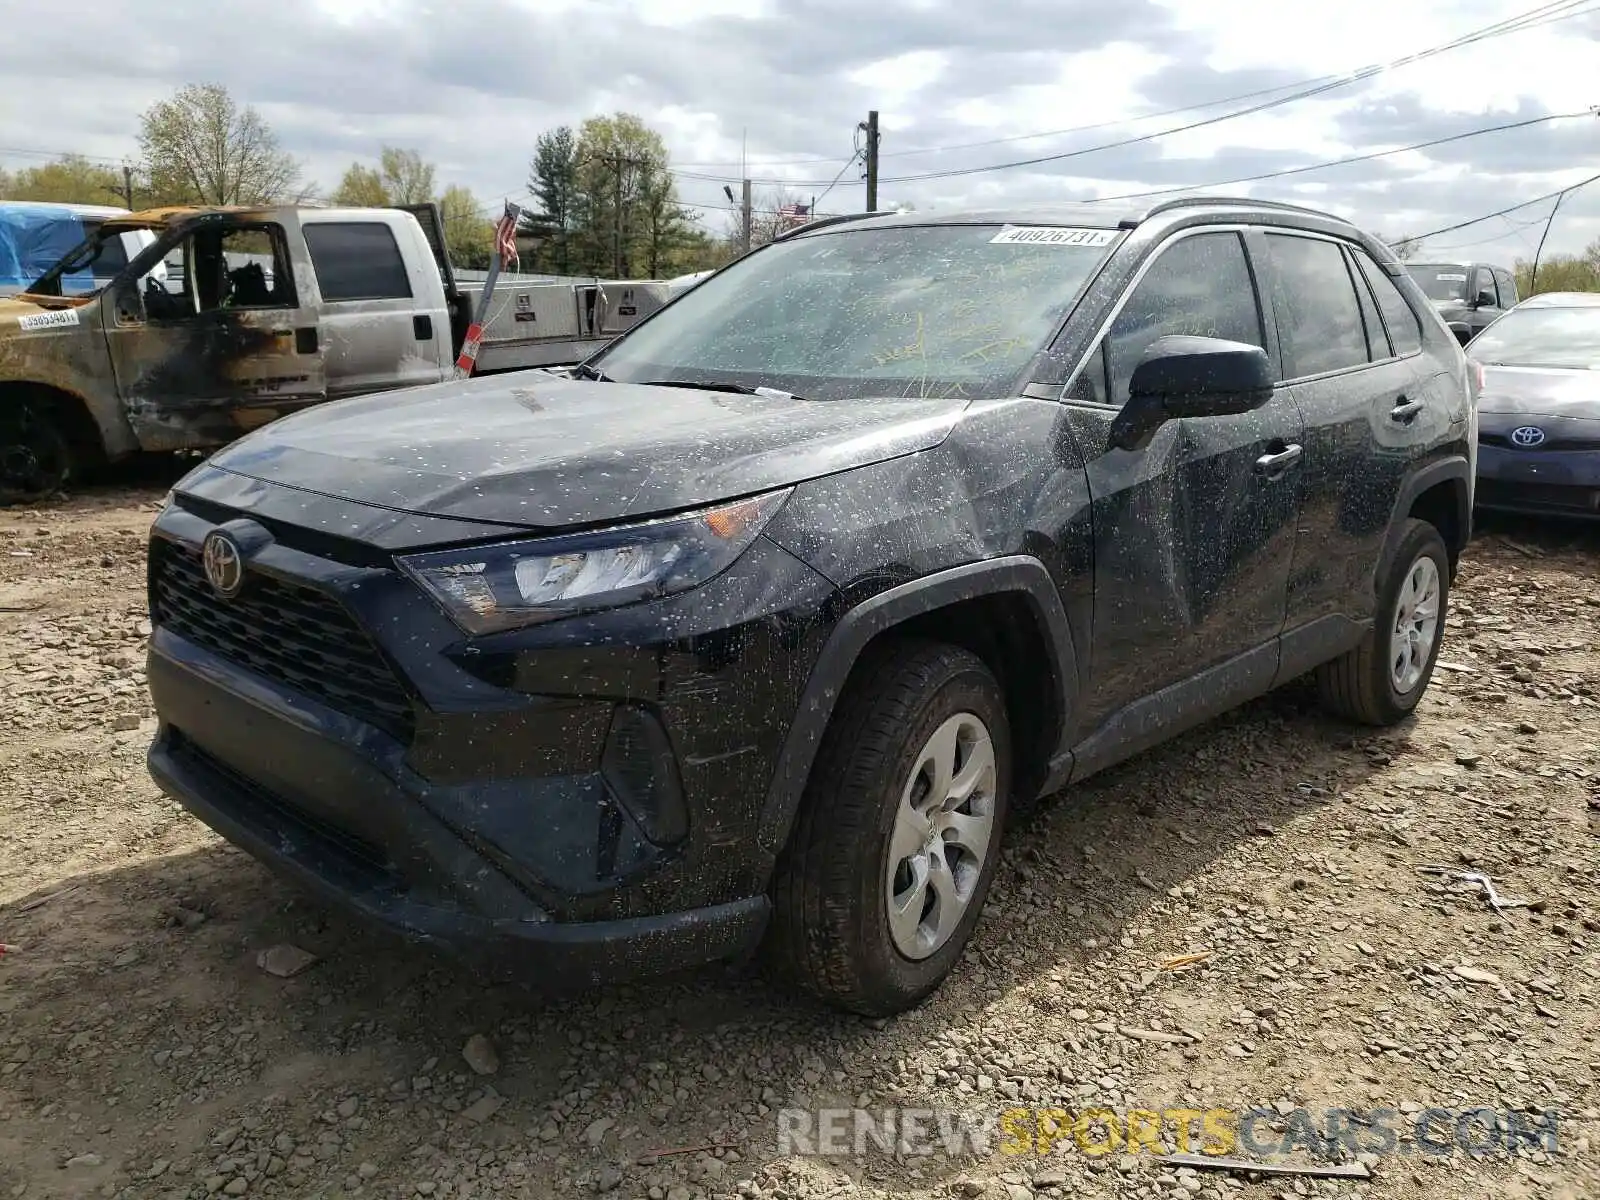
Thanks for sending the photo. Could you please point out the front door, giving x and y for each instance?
(1194, 534)
(225, 344)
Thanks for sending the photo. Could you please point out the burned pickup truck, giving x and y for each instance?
(233, 317)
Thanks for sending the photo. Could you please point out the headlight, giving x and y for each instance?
(486, 589)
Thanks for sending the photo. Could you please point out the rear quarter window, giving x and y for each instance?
(1405, 329)
(357, 260)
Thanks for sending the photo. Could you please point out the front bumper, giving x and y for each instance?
(485, 819)
(1539, 482)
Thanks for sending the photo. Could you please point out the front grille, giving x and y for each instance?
(1553, 496)
(291, 634)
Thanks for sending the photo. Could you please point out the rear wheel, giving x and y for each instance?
(35, 455)
(1383, 679)
(899, 833)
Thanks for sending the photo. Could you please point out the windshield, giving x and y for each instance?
(920, 310)
(31, 243)
(1542, 337)
(1441, 281)
(86, 265)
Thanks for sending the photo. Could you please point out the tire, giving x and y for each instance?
(1362, 685)
(36, 459)
(831, 929)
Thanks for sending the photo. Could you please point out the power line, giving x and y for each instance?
(1533, 19)
(1498, 29)
(1544, 14)
(1417, 237)
(1342, 162)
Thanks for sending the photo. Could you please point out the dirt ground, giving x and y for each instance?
(144, 1053)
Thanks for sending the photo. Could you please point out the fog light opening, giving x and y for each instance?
(641, 772)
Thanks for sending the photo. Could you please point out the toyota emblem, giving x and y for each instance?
(224, 563)
(1527, 435)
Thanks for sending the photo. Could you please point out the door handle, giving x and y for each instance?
(1405, 411)
(1274, 465)
(422, 327)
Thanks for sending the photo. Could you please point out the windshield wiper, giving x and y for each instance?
(585, 371)
(738, 389)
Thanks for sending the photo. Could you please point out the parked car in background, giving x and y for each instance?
(682, 283)
(35, 236)
(226, 318)
(1539, 409)
(749, 632)
(1469, 296)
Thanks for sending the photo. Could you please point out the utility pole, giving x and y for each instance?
(872, 160)
(127, 184)
(617, 263)
(746, 223)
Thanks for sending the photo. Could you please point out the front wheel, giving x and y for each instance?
(1382, 680)
(899, 832)
(35, 456)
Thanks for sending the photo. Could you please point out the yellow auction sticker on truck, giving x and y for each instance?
(59, 318)
(1052, 235)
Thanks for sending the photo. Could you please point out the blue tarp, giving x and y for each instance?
(34, 237)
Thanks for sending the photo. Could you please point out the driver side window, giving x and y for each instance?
(1485, 283)
(1200, 285)
(214, 269)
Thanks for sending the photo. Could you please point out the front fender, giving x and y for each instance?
(1014, 574)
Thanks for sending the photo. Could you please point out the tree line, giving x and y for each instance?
(601, 198)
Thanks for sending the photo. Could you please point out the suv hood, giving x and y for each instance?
(545, 452)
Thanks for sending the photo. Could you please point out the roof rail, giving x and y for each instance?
(824, 222)
(1245, 201)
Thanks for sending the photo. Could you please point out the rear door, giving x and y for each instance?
(1361, 390)
(227, 344)
(1194, 534)
(381, 324)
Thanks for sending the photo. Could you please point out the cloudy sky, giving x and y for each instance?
(960, 87)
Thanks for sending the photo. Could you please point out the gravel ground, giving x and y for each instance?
(145, 1052)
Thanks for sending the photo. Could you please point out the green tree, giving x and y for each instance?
(623, 172)
(1561, 272)
(553, 184)
(406, 178)
(71, 179)
(200, 147)
(469, 234)
(361, 187)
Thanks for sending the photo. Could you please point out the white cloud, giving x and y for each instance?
(472, 84)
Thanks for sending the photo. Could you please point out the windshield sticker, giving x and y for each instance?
(58, 319)
(1451, 278)
(1052, 235)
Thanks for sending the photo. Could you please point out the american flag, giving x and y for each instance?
(505, 236)
(794, 214)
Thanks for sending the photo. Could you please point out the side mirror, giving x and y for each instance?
(1485, 300)
(1182, 376)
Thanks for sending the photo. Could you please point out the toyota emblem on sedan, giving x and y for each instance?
(224, 563)
(1527, 435)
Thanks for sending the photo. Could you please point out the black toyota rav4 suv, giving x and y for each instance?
(746, 632)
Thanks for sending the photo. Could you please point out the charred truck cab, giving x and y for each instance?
(235, 316)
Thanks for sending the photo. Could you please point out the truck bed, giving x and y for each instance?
(556, 324)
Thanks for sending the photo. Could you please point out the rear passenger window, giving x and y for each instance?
(1319, 317)
(357, 260)
(1405, 331)
(1200, 286)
